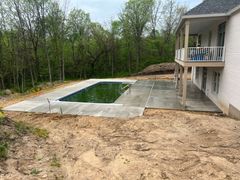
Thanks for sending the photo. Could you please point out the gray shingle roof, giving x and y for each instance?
(214, 7)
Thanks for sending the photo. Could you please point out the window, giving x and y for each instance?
(210, 38)
(221, 34)
(216, 81)
(199, 41)
(197, 72)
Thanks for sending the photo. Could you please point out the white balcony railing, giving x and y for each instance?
(180, 54)
(202, 54)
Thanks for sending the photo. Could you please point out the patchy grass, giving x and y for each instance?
(55, 161)
(3, 150)
(35, 172)
(12, 132)
(24, 128)
(1, 121)
(42, 133)
(3, 144)
(2, 116)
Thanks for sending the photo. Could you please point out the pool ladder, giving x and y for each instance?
(128, 86)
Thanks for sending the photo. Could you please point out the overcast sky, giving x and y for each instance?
(104, 10)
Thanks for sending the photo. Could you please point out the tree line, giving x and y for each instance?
(40, 41)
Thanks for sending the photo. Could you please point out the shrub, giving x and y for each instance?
(3, 150)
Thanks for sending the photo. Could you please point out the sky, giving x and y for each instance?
(104, 11)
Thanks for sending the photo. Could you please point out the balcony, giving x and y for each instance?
(201, 56)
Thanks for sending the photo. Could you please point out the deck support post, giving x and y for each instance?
(176, 75)
(184, 96)
(181, 81)
(192, 74)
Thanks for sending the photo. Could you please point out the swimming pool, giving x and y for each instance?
(103, 92)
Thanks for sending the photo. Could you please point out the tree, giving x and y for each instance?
(156, 15)
(97, 45)
(114, 37)
(40, 41)
(43, 10)
(171, 16)
(78, 28)
(136, 15)
(56, 24)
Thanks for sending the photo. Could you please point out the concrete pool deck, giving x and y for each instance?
(141, 95)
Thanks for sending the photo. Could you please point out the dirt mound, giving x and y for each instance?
(163, 68)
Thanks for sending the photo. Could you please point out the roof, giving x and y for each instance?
(214, 7)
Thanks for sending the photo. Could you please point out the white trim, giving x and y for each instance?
(204, 16)
(234, 10)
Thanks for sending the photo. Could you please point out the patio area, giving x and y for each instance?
(163, 95)
(141, 94)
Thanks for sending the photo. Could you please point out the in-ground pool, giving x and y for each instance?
(103, 92)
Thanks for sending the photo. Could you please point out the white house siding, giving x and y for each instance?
(205, 35)
(198, 81)
(229, 89)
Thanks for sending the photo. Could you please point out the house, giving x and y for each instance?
(208, 41)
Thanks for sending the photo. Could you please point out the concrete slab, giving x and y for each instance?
(24, 106)
(164, 85)
(155, 102)
(40, 104)
(140, 95)
(164, 95)
(202, 105)
(137, 95)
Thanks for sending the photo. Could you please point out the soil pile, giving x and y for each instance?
(163, 68)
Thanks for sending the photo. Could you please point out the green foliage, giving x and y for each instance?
(55, 162)
(43, 43)
(42, 133)
(35, 172)
(23, 128)
(1, 93)
(3, 150)
(2, 116)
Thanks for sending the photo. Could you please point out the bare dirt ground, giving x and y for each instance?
(161, 144)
